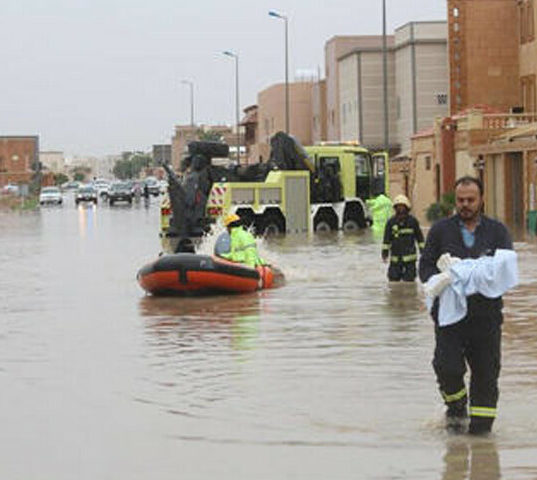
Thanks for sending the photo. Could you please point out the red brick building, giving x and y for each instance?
(18, 154)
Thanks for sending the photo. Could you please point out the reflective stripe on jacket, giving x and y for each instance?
(400, 238)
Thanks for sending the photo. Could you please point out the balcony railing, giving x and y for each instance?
(508, 120)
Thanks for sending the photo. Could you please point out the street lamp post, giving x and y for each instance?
(274, 14)
(385, 80)
(191, 85)
(237, 107)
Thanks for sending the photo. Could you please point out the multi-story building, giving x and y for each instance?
(484, 54)
(421, 78)
(271, 114)
(497, 142)
(336, 48)
(318, 114)
(361, 94)
(53, 161)
(188, 133)
(417, 86)
(19, 156)
(162, 154)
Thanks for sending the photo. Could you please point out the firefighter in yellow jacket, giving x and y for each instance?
(401, 235)
(243, 247)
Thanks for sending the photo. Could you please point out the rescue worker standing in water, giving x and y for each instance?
(243, 247)
(401, 234)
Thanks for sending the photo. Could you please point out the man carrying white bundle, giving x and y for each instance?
(466, 266)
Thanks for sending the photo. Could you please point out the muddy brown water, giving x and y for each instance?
(328, 377)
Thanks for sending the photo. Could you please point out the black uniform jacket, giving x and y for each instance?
(400, 237)
(445, 236)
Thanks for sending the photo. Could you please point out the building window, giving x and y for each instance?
(527, 91)
(455, 12)
(526, 21)
(442, 98)
(427, 162)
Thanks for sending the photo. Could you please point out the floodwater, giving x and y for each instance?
(328, 377)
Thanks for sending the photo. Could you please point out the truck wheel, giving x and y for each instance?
(325, 222)
(351, 226)
(322, 226)
(271, 224)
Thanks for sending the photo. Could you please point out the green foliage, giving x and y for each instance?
(441, 209)
(131, 164)
(60, 178)
(79, 177)
(209, 136)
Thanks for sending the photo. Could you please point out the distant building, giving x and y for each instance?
(18, 156)
(162, 154)
(53, 161)
(336, 48)
(187, 133)
(361, 93)
(318, 114)
(417, 85)
(250, 123)
(271, 114)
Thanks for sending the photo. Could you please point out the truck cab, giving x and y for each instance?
(345, 176)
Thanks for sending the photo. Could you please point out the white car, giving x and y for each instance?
(10, 188)
(50, 195)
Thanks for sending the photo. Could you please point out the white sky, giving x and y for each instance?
(103, 76)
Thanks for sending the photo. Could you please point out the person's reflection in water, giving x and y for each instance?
(403, 297)
(471, 459)
(238, 315)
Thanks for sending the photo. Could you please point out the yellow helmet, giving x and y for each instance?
(231, 218)
(401, 200)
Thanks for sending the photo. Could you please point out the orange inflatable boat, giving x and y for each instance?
(183, 273)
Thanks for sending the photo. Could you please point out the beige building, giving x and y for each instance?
(53, 161)
(361, 94)
(417, 85)
(334, 49)
(318, 114)
(187, 133)
(421, 78)
(271, 114)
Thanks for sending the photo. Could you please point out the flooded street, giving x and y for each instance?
(329, 377)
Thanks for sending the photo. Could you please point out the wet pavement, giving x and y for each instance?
(328, 377)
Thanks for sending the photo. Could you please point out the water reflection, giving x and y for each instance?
(87, 218)
(469, 458)
(234, 317)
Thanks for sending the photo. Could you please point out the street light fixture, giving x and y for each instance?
(191, 85)
(274, 14)
(237, 112)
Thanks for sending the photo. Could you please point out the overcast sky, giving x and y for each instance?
(103, 76)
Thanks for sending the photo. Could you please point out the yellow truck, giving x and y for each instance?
(331, 195)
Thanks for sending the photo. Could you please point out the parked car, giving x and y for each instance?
(10, 188)
(102, 187)
(120, 192)
(153, 186)
(86, 194)
(50, 195)
(73, 185)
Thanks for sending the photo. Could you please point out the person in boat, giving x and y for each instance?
(401, 234)
(242, 244)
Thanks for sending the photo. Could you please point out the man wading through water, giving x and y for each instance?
(475, 339)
